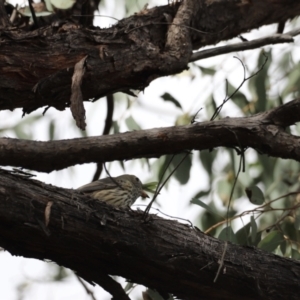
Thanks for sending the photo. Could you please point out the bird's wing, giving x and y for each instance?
(102, 184)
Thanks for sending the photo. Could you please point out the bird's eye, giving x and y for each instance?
(137, 179)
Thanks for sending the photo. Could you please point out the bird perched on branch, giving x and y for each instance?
(121, 191)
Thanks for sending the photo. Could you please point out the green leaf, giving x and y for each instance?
(115, 127)
(154, 295)
(207, 71)
(207, 159)
(202, 194)
(210, 105)
(258, 84)
(182, 174)
(253, 229)
(293, 81)
(297, 220)
(295, 254)
(51, 130)
(283, 247)
(227, 234)
(242, 234)
(183, 119)
(205, 206)
(150, 186)
(268, 165)
(239, 98)
(128, 286)
(271, 241)
(169, 97)
(132, 124)
(49, 5)
(255, 195)
(63, 4)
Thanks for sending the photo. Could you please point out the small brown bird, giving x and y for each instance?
(121, 191)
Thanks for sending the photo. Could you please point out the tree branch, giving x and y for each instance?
(263, 132)
(37, 66)
(94, 239)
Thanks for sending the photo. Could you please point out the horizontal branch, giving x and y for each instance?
(263, 132)
(95, 239)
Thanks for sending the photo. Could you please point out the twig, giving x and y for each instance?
(158, 186)
(227, 98)
(176, 218)
(107, 127)
(269, 40)
(117, 184)
(256, 210)
(88, 291)
(157, 191)
(221, 262)
(35, 21)
(103, 16)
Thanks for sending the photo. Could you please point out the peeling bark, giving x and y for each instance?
(36, 67)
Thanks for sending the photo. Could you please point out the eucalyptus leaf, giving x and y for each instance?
(227, 234)
(242, 234)
(207, 71)
(271, 241)
(253, 229)
(297, 219)
(295, 254)
(205, 206)
(150, 186)
(169, 97)
(255, 195)
(63, 4)
(132, 124)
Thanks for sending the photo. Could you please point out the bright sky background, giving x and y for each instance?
(149, 110)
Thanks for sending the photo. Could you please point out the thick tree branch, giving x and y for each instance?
(263, 132)
(36, 67)
(94, 239)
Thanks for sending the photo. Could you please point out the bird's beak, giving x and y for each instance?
(144, 195)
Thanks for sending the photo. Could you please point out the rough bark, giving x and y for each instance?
(263, 132)
(36, 67)
(94, 239)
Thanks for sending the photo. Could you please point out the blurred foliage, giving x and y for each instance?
(271, 185)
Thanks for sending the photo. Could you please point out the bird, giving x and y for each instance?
(121, 191)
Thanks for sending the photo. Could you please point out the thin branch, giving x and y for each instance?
(111, 286)
(249, 45)
(227, 98)
(35, 21)
(158, 190)
(256, 210)
(107, 127)
(88, 291)
(159, 186)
